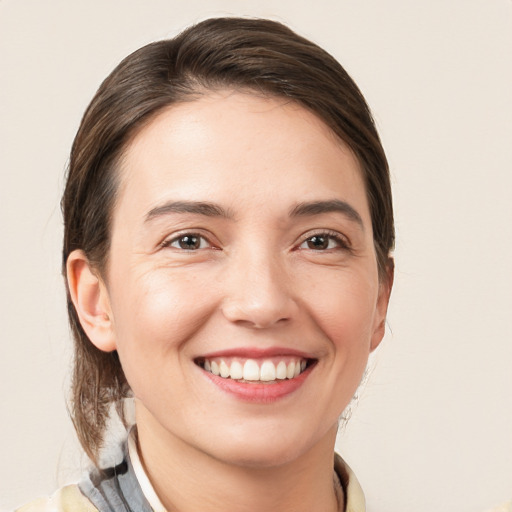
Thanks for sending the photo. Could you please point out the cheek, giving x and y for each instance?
(347, 322)
(155, 315)
(345, 308)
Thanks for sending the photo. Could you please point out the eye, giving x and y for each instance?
(324, 242)
(187, 242)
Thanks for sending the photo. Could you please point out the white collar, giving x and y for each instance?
(145, 484)
(354, 496)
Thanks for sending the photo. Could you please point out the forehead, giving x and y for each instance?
(238, 147)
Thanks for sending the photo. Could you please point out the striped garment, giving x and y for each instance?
(126, 488)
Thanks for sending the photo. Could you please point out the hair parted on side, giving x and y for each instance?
(234, 53)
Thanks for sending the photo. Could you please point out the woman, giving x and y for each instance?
(228, 229)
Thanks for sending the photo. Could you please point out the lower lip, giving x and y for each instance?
(257, 392)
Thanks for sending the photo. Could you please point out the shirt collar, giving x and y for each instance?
(145, 484)
(354, 496)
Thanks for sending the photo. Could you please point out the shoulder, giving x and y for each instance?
(67, 499)
(354, 495)
(506, 507)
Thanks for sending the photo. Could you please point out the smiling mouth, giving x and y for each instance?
(254, 370)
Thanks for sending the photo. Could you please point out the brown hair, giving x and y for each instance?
(253, 54)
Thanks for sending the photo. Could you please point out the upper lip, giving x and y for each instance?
(257, 353)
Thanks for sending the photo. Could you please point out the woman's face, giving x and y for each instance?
(242, 245)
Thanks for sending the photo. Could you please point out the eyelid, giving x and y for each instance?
(170, 239)
(343, 240)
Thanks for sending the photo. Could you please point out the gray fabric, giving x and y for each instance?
(115, 489)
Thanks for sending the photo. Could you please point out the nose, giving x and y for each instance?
(258, 292)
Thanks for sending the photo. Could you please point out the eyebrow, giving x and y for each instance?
(303, 209)
(197, 207)
(333, 205)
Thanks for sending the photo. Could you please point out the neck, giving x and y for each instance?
(187, 479)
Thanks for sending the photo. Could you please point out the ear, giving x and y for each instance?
(90, 298)
(385, 285)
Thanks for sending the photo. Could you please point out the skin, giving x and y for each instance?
(255, 280)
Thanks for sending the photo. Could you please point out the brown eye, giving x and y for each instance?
(324, 242)
(318, 243)
(188, 242)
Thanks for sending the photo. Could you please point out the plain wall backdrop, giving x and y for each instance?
(432, 430)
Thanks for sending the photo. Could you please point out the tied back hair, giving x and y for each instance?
(257, 56)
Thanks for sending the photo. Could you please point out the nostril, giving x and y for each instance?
(259, 314)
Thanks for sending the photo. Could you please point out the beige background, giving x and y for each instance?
(432, 431)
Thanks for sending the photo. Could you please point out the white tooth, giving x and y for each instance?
(207, 366)
(281, 370)
(215, 368)
(268, 371)
(251, 370)
(302, 366)
(236, 371)
(290, 370)
(297, 369)
(224, 369)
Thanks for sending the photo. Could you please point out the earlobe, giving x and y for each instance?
(385, 287)
(90, 298)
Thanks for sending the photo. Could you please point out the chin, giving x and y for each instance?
(266, 448)
(260, 457)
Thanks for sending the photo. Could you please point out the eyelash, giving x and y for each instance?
(341, 242)
(177, 239)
